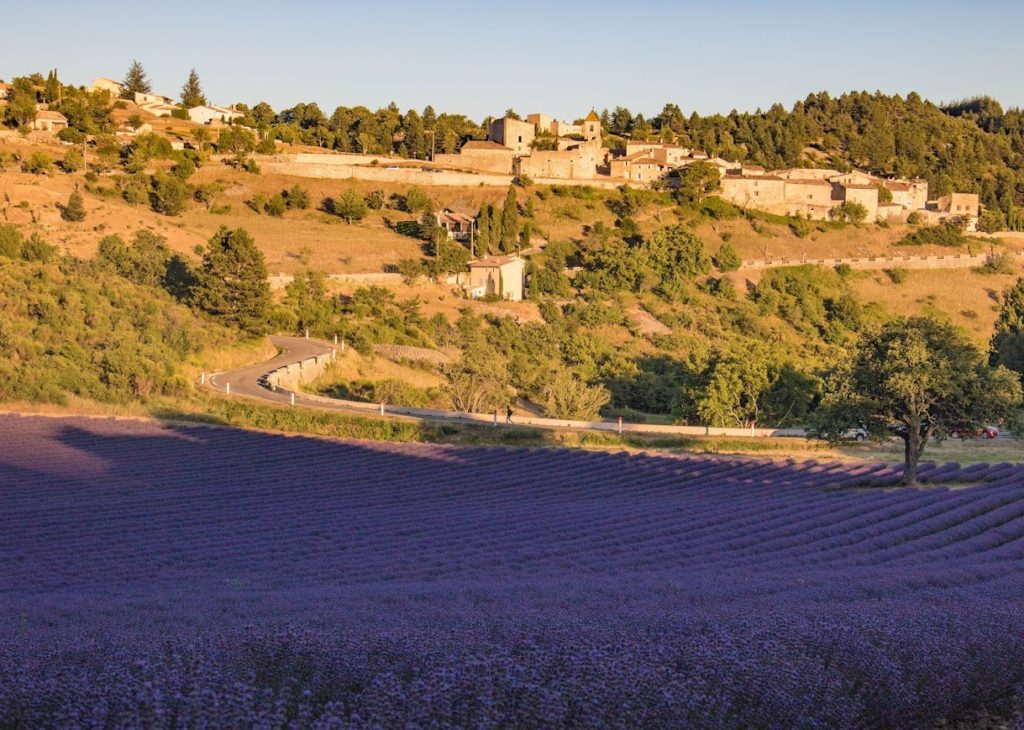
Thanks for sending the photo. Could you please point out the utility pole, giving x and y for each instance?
(433, 136)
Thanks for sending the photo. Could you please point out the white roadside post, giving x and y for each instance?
(293, 398)
(202, 378)
(335, 339)
(620, 425)
(227, 388)
(382, 408)
(307, 333)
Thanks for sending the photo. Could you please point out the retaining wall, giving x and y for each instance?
(346, 166)
(951, 261)
(280, 281)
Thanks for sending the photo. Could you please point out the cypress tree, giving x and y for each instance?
(52, 89)
(483, 231)
(495, 228)
(509, 221)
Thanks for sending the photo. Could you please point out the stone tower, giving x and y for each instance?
(592, 127)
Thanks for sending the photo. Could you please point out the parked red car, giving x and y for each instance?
(985, 432)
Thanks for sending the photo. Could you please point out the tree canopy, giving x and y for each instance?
(920, 378)
(231, 283)
(192, 92)
(135, 81)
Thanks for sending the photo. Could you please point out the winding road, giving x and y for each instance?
(254, 382)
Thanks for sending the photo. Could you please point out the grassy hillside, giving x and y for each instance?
(70, 330)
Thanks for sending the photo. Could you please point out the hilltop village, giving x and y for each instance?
(544, 148)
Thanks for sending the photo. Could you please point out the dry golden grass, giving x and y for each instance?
(351, 366)
(969, 299)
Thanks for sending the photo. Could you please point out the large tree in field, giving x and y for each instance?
(919, 378)
(231, 283)
(135, 81)
(192, 92)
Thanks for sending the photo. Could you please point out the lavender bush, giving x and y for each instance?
(195, 577)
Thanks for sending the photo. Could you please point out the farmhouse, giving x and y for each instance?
(105, 84)
(140, 98)
(48, 121)
(210, 114)
(500, 276)
(458, 226)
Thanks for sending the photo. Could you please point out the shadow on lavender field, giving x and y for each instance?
(184, 576)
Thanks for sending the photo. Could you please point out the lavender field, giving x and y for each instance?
(197, 577)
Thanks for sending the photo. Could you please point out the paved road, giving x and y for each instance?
(245, 382)
(248, 382)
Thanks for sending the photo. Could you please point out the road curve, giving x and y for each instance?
(246, 383)
(251, 382)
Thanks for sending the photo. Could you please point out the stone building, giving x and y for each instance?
(48, 121)
(481, 156)
(866, 195)
(577, 161)
(964, 205)
(210, 113)
(458, 226)
(809, 197)
(909, 194)
(500, 276)
(764, 192)
(105, 84)
(517, 135)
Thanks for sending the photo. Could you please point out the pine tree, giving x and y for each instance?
(135, 81)
(192, 92)
(232, 281)
(74, 211)
(509, 221)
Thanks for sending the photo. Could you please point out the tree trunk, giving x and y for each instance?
(911, 454)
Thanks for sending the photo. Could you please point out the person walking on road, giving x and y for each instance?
(508, 414)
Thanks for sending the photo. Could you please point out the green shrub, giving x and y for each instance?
(727, 259)
(896, 276)
(37, 164)
(945, 234)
